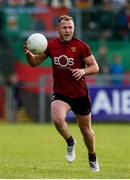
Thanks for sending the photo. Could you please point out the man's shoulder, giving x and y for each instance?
(51, 41)
(76, 40)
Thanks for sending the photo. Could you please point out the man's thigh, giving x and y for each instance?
(59, 109)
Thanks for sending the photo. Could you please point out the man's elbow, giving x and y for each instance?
(96, 69)
(32, 64)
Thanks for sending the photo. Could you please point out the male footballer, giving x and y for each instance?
(72, 60)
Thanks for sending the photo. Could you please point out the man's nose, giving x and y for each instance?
(67, 29)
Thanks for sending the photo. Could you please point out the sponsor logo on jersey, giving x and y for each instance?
(63, 61)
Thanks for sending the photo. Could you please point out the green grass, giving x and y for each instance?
(37, 151)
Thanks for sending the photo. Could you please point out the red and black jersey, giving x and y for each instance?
(67, 56)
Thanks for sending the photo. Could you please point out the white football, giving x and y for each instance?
(37, 43)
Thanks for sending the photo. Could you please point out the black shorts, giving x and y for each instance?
(81, 105)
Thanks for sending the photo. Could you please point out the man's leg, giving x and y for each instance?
(89, 139)
(87, 132)
(59, 110)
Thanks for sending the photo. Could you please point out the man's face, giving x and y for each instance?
(66, 30)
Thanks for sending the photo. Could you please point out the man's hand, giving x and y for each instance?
(33, 59)
(78, 73)
(26, 50)
(28, 53)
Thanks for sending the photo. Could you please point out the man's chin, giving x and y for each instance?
(67, 39)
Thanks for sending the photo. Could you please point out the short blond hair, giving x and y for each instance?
(65, 17)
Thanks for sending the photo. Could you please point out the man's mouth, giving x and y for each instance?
(67, 35)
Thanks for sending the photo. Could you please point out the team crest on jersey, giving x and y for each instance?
(73, 49)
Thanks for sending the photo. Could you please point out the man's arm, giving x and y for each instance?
(34, 60)
(91, 68)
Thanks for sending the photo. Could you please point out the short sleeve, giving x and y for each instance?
(86, 51)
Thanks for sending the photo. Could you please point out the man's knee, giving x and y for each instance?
(88, 132)
(59, 121)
